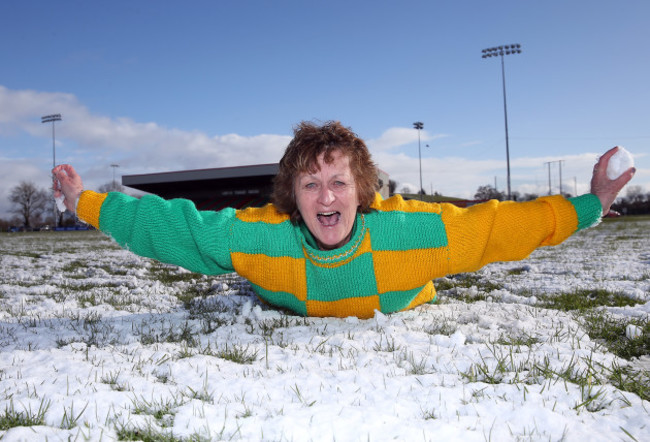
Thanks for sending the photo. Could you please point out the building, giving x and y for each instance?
(215, 189)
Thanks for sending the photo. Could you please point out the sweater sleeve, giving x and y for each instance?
(510, 231)
(171, 231)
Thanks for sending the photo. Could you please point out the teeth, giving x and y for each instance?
(327, 213)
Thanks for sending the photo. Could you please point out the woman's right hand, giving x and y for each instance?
(67, 183)
(605, 188)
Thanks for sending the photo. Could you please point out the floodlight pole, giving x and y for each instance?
(501, 51)
(114, 184)
(548, 163)
(419, 125)
(559, 162)
(52, 119)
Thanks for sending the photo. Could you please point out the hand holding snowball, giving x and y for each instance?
(619, 163)
(67, 184)
(608, 179)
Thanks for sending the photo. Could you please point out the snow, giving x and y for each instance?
(633, 331)
(618, 163)
(92, 331)
(60, 203)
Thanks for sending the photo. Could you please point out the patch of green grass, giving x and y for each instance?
(159, 333)
(112, 379)
(387, 346)
(146, 434)
(112, 270)
(211, 312)
(630, 380)
(521, 340)
(467, 280)
(583, 300)
(70, 417)
(13, 418)
(442, 284)
(73, 266)
(414, 366)
(163, 410)
(517, 271)
(612, 332)
(466, 287)
(236, 353)
(203, 394)
(189, 296)
(20, 253)
(268, 327)
(168, 274)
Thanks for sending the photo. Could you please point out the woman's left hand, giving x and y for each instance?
(605, 189)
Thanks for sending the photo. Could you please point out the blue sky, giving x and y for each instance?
(156, 86)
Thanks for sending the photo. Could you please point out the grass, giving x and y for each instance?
(601, 326)
(237, 353)
(150, 433)
(584, 300)
(205, 332)
(465, 287)
(11, 417)
(612, 331)
(169, 274)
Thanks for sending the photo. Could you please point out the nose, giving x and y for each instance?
(325, 196)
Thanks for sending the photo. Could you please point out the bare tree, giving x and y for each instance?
(111, 186)
(488, 193)
(635, 194)
(528, 197)
(30, 201)
(392, 187)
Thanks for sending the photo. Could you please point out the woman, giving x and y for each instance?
(328, 245)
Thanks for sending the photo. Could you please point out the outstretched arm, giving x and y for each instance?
(605, 189)
(67, 183)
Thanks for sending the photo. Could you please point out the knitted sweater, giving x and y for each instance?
(388, 265)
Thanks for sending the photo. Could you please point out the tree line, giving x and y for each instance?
(634, 202)
(34, 207)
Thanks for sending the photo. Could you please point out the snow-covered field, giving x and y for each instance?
(98, 344)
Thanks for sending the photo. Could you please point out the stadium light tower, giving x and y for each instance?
(114, 184)
(51, 119)
(501, 51)
(419, 126)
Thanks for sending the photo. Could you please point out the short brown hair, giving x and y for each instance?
(308, 143)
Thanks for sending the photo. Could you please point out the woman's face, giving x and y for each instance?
(327, 201)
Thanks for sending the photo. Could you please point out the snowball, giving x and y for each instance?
(619, 163)
(59, 203)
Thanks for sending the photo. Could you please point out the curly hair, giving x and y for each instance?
(301, 155)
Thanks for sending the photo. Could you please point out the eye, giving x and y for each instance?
(338, 184)
(311, 186)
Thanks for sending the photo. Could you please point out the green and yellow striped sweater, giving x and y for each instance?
(388, 265)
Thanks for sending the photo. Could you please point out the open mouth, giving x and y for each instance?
(329, 219)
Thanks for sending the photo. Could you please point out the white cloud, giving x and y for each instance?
(93, 142)
(399, 136)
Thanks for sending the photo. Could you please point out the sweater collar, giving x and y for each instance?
(311, 247)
